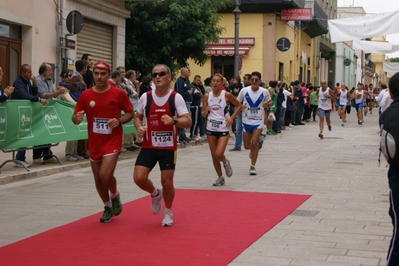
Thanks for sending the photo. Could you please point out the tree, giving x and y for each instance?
(170, 32)
(395, 59)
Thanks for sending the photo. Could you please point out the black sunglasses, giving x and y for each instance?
(161, 74)
(65, 76)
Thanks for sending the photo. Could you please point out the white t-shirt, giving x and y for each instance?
(254, 112)
(324, 99)
(286, 95)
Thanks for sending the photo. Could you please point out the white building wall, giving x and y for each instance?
(40, 31)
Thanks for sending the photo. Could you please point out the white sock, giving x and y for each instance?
(114, 195)
(168, 210)
(108, 204)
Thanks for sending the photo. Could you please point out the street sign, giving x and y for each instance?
(66, 43)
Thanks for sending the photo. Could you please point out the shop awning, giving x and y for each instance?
(217, 50)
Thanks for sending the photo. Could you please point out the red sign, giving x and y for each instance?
(225, 51)
(231, 41)
(293, 14)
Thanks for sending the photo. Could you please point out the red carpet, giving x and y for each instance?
(211, 227)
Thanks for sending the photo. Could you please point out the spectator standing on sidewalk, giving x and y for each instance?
(46, 90)
(393, 181)
(102, 104)
(7, 91)
(238, 130)
(163, 110)
(215, 107)
(183, 87)
(25, 88)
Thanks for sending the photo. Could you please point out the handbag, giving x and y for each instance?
(271, 117)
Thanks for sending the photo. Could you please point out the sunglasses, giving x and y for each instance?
(254, 80)
(161, 74)
(69, 75)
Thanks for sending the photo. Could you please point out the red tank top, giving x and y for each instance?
(159, 136)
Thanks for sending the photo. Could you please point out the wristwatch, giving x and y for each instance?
(174, 120)
(120, 122)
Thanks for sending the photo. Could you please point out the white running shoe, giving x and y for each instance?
(156, 202)
(167, 218)
(228, 169)
(252, 170)
(22, 164)
(219, 182)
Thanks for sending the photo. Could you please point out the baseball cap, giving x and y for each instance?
(102, 65)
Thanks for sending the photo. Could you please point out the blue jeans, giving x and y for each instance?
(182, 131)
(282, 117)
(21, 155)
(238, 131)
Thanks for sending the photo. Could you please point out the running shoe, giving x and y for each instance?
(228, 169)
(167, 218)
(116, 205)
(107, 215)
(342, 124)
(252, 170)
(329, 127)
(235, 149)
(261, 140)
(321, 135)
(219, 182)
(156, 202)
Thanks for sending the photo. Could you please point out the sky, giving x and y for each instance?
(376, 7)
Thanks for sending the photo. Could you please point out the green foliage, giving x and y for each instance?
(170, 32)
(395, 59)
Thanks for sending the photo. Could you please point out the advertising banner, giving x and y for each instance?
(26, 124)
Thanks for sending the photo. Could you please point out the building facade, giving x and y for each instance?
(281, 47)
(31, 32)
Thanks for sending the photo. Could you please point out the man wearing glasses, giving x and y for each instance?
(164, 111)
(254, 99)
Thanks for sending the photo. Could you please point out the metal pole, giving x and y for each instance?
(236, 12)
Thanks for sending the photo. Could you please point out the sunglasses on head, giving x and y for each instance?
(161, 74)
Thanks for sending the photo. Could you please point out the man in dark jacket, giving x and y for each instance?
(25, 88)
(183, 87)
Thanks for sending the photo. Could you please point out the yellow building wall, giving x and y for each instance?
(264, 55)
(251, 26)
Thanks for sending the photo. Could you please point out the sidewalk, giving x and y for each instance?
(345, 222)
(9, 173)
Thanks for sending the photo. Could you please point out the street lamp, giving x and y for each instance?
(236, 12)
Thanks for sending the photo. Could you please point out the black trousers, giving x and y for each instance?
(44, 152)
(393, 251)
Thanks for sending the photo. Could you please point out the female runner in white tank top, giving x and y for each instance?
(214, 105)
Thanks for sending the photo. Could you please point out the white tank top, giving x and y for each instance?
(359, 96)
(218, 112)
(343, 97)
(324, 101)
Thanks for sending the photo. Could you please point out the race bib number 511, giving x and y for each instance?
(100, 126)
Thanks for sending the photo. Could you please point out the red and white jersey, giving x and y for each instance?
(159, 135)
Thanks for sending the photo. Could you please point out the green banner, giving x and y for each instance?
(26, 124)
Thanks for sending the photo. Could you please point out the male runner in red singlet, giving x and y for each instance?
(102, 105)
(164, 111)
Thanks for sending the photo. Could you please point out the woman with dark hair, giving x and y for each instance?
(145, 85)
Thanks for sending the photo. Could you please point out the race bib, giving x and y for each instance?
(100, 126)
(162, 138)
(215, 125)
(254, 113)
